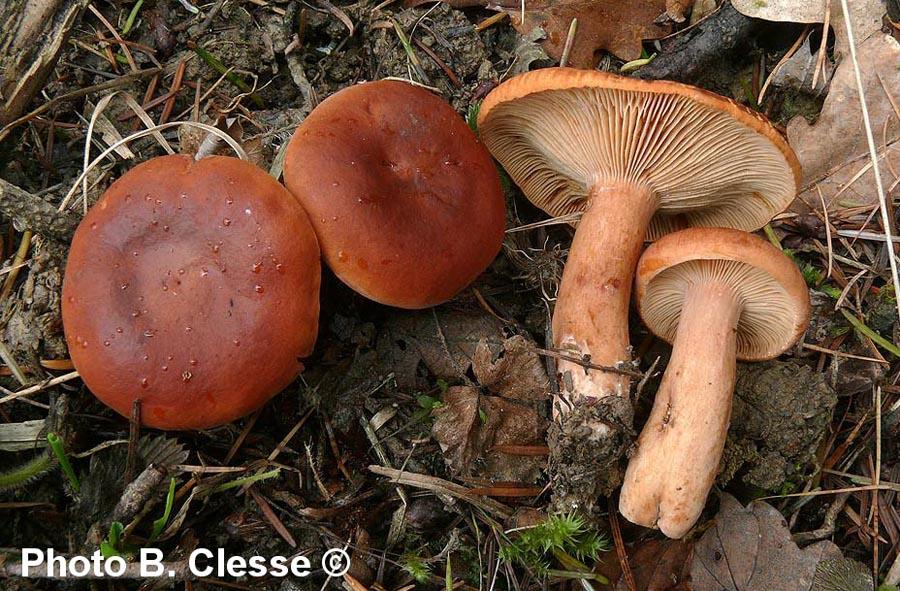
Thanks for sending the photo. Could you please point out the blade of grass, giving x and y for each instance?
(132, 16)
(219, 67)
(873, 154)
(59, 451)
(877, 338)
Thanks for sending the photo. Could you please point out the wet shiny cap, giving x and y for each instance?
(405, 200)
(194, 287)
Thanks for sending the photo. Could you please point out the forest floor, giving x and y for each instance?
(417, 440)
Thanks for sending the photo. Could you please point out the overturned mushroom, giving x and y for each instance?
(192, 286)
(717, 295)
(636, 159)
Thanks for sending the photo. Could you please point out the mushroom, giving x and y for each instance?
(717, 295)
(405, 200)
(635, 159)
(193, 287)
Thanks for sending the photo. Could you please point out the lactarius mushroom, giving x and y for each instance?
(405, 200)
(636, 159)
(717, 295)
(193, 287)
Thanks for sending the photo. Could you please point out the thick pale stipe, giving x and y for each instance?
(591, 316)
(679, 450)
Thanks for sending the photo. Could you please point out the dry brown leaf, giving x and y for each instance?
(519, 373)
(617, 26)
(469, 425)
(442, 340)
(656, 564)
(865, 16)
(834, 151)
(750, 549)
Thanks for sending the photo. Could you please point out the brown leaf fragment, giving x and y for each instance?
(442, 340)
(656, 564)
(865, 16)
(469, 425)
(750, 549)
(519, 373)
(833, 152)
(616, 26)
(676, 9)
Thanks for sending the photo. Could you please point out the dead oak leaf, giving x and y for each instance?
(833, 152)
(865, 16)
(518, 372)
(750, 549)
(469, 425)
(613, 25)
(656, 565)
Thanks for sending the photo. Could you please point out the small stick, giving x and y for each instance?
(620, 545)
(441, 486)
(570, 41)
(134, 431)
(76, 94)
(39, 387)
(587, 364)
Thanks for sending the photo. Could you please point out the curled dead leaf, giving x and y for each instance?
(616, 26)
(469, 425)
(519, 373)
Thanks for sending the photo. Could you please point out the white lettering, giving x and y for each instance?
(192, 563)
(31, 557)
(155, 562)
(300, 566)
(79, 566)
(53, 561)
(278, 566)
(236, 566)
(258, 566)
(114, 566)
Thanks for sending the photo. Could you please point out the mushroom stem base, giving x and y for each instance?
(679, 450)
(586, 445)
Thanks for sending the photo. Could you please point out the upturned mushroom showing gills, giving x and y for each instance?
(192, 286)
(405, 200)
(717, 295)
(636, 159)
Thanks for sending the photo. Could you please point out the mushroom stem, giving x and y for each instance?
(679, 450)
(591, 316)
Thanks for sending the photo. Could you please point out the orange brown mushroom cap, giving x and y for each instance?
(405, 200)
(637, 159)
(717, 295)
(192, 286)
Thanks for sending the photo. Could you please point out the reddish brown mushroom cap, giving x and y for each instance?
(192, 286)
(405, 200)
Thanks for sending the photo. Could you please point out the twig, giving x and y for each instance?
(39, 387)
(620, 545)
(587, 364)
(445, 487)
(827, 528)
(570, 41)
(76, 94)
